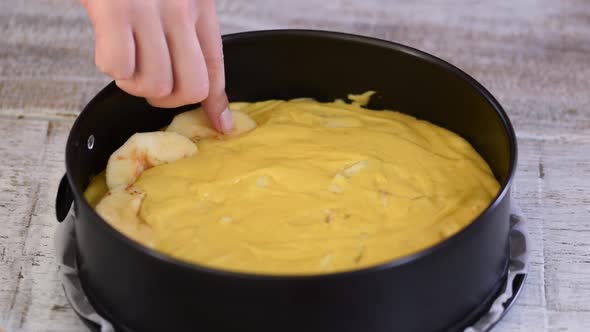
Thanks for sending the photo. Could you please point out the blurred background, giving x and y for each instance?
(527, 52)
(533, 55)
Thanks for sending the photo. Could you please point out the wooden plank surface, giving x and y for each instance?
(534, 55)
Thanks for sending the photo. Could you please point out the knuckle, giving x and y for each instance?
(162, 103)
(128, 86)
(124, 72)
(197, 93)
(153, 88)
(201, 90)
(158, 88)
(103, 65)
(121, 71)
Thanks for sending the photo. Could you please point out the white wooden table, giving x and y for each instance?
(534, 55)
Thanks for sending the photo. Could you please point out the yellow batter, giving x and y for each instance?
(315, 188)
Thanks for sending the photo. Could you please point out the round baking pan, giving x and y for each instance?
(432, 290)
(502, 302)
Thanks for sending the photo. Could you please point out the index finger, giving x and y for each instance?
(216, 104)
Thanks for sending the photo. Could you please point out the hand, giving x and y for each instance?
(168, 51)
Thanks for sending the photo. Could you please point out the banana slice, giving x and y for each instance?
(143, 151)
(120, 208)
(195, 125)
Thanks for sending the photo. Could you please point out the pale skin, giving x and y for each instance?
(168, 51)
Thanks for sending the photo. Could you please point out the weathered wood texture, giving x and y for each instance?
(534, 55)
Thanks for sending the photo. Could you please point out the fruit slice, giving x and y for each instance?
(143, 151)
(120, 208)
(195, 125)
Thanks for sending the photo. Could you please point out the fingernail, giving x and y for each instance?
(227, 123)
